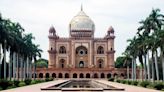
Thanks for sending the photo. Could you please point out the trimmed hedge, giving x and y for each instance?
(5, 84)
(22, 84)
(111, 79)
(16, 83)
(49, 79)
(27, 81)
(146, 84)
(159, 86)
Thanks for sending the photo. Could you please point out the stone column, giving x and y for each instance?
(91, 53)
(73, 54)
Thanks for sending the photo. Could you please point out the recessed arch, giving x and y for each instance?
(102, 75)
(81, 64)
(66, 75)
(81, 75)
(87, 75)
(115, 75)
(100, 50)
(62, 50)
(47, 75)
(81, 52)
(109, 75)
(74, 75)
(60, 75)
(100, 63)
(95, 75)
(53, 75)
(40, 75)
(62, 63)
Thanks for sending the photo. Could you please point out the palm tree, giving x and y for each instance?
(13, 40)
(127, 62)
(160, 41)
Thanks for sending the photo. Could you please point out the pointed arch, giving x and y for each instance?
(100, 50)
(62, 50)
(66, 75)
(62, 63)
(100, 63)
(74, 75)
(60, 75)
(87, 75)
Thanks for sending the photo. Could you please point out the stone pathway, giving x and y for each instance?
(36, 87)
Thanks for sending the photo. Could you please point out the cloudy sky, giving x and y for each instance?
(37, 16)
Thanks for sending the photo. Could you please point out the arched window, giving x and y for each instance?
(47, 75)
(60, 75)
(74, 75)
(95, 75)
(66, 75)
(62, 50)
(40, 75)
(100, 50)
(100, 63)
(81, 75)
(62, 61)
(53, 75)
(87, 75)
(109, 75)
(81, 64)
(102, 75)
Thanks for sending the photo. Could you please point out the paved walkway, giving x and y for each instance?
(36, 87)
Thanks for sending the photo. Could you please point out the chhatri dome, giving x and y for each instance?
(82, 22)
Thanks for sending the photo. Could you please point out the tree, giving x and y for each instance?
(41, 63)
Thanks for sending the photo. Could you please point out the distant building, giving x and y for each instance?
(81, 55)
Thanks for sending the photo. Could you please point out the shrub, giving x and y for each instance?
(21, 84)
(48, 79)
(159, 86)
(27, 81)
(129, 82)
(134, 83)
(0, 88)
(39, 81)
(123, 81)
(111, 79)
(16, 83)
(118, 81)
(144, 83)
(33, 82)
(4, 84)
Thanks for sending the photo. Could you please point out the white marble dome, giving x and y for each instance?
(82, 22)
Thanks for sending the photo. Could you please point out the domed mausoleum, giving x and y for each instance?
(81, 55)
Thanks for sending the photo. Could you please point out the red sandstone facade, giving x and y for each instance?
(81, 55)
